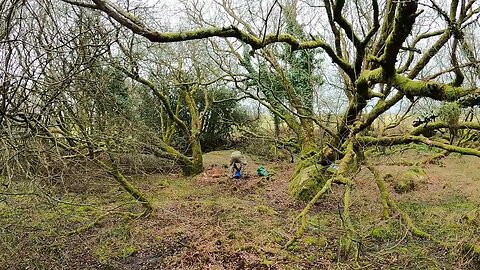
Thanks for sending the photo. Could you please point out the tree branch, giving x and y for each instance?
(434, 90)
(396, 140)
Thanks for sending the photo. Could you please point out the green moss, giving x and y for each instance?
(417, 170)
(410, 179)
(367, 76)
(114, 243)
(405, 184)
(266, 262)
(102, 253)
(128, 251)
(458, 202)
(307, 180)
(85, 209)
(319, 242)
(346, 247)
(472, 218)
(430, 89)
(450, 112)
(383, 233)
(426, 148)
(311, 258)
(231, 235)
(293, 247)
(263, 209)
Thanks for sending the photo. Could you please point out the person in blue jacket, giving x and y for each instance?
(237, 174)
(237, 162)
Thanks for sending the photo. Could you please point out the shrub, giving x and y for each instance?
(450, 113)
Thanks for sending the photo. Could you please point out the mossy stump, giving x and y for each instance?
(409, 180)
(306, 182)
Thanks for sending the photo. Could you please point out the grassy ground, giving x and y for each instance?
(213, 222)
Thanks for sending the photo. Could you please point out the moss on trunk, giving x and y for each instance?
(131, 189)
(196, 165)
(307, 180)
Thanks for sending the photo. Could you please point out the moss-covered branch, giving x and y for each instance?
(302, 216)
(429, 54)
(434, 90)
(437, 125)
(128, 20)
(98, 219)
(404, 20)
(131, 189)
(349, 244)
(433, 158)
(382, 187)
(160, 149)
(164, 37)
(387, 25)
(379, 108)
(396, 140)
(388, 203)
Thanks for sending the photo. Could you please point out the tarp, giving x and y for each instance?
(261, 171)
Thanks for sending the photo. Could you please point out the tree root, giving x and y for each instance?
(432, 159)
(388, 204)
(302, 217)
(349, 244)
(470, 248)
(344, 169)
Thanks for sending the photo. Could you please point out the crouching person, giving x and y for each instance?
(237, 163)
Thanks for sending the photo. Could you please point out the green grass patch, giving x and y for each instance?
(425, 148)
(385, 233)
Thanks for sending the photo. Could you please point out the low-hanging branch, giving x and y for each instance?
(112, 169)
(437, 125)
(397, 140)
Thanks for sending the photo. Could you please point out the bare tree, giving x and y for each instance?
(49, 117)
